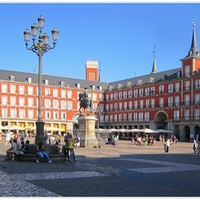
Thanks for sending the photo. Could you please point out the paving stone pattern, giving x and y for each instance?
(123, 171)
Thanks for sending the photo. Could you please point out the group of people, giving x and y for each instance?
(143, 140)
(52, 139)
(17, 148)
(112, 140)
(14, 135)
(68, 148)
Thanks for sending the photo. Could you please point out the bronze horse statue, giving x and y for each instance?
(85, 103)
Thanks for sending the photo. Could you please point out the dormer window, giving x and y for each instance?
(93, 87)
(163, 77)
(62, 83)
(46, 82)
(178, 74)
(12, 78)
(100, 88)
(29, 80)
(78, 85)
(139, 82)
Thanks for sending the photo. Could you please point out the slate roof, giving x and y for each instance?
(71, 82)
(52, 80)
(169, 75)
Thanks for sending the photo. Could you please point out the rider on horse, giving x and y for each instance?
(85, 100)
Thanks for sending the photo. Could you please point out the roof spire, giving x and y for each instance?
(193, 49)
(154, 68)
(100, 78)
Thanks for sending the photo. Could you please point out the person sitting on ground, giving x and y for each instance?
(41, 153)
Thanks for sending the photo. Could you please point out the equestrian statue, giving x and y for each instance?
(86, 102)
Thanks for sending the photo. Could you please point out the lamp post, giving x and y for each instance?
(40, 47)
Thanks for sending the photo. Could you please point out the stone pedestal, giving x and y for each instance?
(87, 131)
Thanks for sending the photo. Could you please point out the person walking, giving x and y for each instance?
(65, 149)
(115, 140)
(41, 153)
(168, 145)
(8, 137)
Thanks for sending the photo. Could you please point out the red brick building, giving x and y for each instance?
(167, 100)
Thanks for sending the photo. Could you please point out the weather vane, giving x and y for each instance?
(193, 23)
(154, 51)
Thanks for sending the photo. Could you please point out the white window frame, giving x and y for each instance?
(146, 116)
(30, 114)
(55, 115)
(141, 92)
(47, 103)
(130, 94)
(146, 91)
(141, 104)
(187, 100)
(12, 101)
(120, 95)
(152, 103)
(69, 105)
(13, 113)
(141, 116)
(130, 116)
(63, 94)
(21, 101)
(4, 88)
(170, 88)
(63, 104)
(21, 89)
(196, 113)
(4, 112)
(125, 95)
(30, 90)
(47, 92)
(177, 100)
(47, 115)
(135, 93)
(170, 101)
(135, 104)
(4, 100)
(187, 114)
(176, 114)
(12, 89)
(161, 102)
(130, 105)
(30, 102)
(21, 113)
(135, 116)
(55, 92)
(177, 87)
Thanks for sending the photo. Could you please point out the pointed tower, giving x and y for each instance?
(191, 63)
(154, 68)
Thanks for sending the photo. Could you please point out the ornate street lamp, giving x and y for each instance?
(40, 47)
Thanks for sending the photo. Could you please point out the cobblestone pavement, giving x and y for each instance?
(124, 171)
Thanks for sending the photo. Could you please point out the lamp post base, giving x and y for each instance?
(40, 133)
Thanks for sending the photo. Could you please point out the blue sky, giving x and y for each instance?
(121, 36)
